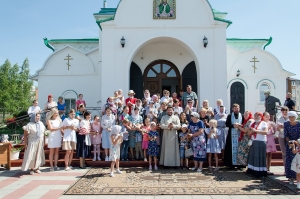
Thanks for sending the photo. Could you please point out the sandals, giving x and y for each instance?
(57, 168)
(31, 172)
(51, 169)
(37, 171)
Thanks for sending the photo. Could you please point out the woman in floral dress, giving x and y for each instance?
(243, 150)
(291, 132)
(196, 132)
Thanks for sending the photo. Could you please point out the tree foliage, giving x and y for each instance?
(15, 93)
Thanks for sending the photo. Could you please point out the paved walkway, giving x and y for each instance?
(18, 184)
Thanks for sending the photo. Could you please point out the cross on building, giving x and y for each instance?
(254, 61)
(68, 58)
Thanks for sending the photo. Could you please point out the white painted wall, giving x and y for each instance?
(185, 34)
(269, 71)
(83, 76)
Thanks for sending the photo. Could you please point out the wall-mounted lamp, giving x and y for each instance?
(122, 42)
(238, 73)
(205, 42)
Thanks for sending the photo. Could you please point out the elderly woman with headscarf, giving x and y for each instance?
(196, 132)
(219, 104)
(243, 150)
(34, 156)
(291, 133)
(257, 164)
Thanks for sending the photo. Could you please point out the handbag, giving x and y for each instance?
(188, 152)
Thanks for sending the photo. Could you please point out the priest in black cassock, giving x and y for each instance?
(231, 148)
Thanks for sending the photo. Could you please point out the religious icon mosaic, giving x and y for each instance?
(164, 9)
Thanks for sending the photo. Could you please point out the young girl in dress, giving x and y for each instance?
(115, 139)
(213, 146)
(271, 146)
(145, 131)
(157, 128)
(152, 146)
(296, 161)
(96, 138)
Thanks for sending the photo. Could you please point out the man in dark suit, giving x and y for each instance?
(270, 104)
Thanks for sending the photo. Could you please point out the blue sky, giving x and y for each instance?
(24, 24)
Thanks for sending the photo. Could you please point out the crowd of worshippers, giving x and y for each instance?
(165, 131)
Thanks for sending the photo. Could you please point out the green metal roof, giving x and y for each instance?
(73, 40)
(112, 12)
(269, 41)
(87, 40)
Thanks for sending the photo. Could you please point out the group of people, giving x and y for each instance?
(169, 130)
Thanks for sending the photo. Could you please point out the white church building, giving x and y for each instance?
(162, 45)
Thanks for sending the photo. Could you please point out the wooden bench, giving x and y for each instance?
(5, 154)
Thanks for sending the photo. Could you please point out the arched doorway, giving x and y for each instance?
(237, 95)
(160, 75)
(189, 76)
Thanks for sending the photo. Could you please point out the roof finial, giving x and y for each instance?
(104, 4)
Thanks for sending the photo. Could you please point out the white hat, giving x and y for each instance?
(292, 114)
(153, 123)
(267, 92)
(184, 126)
(195, 114)
(116, 129)
(120, 90)
(131, 92)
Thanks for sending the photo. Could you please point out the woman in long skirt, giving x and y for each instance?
(34, 156)
(291, 132)
(243, 150)
(257, 164)
(83, 140)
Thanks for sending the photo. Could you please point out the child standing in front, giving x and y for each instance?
(213, 146)
(125, 143)
(157, 128)
(152, 146)
(183, 145)
(96, 138)
(145, 131)
(296, 161)
(115, 139)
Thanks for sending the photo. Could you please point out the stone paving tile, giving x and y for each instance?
(201, 197)
(238, 197)
(182, 196)
(220, 197)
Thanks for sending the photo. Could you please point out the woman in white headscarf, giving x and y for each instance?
(34, 156)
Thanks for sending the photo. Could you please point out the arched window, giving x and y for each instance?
(263, 87)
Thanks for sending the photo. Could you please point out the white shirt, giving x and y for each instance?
(69, 134)
(33, 109)
(177, 110)
(262, 126)
(281, 121)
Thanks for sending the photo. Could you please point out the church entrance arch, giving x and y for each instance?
(237, 95)
(161, 75)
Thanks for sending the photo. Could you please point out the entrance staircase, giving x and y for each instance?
(276, 160)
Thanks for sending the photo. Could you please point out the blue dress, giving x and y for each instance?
(152, 145)
(222, 128)
(293, 133)
(198, 142)
(212, 143)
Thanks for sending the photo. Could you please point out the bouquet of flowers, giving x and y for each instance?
(47, 133)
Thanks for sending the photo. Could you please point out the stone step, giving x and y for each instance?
(102, 163)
